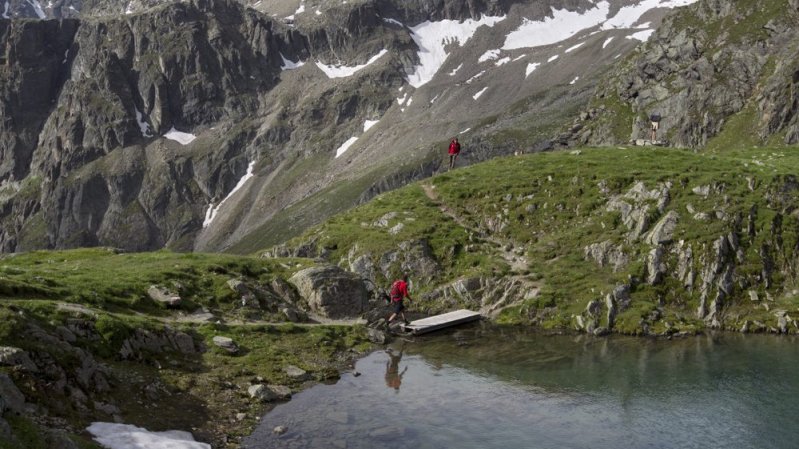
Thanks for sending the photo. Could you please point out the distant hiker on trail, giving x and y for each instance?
(454, 151)
(393, 376)
(655, 119)
(399, 291)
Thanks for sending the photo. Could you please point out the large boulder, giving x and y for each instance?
(13, 399)
(332, 292)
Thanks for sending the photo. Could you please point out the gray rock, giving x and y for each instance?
(331, 291)
(607, 254)
(361, 264)
(293, 315)
(269, 393)
(144, 341)
(226, 343)
(13, 399)
(656, 267)
(377, 336)
(108, 409)
(66, 334)
(280, 430)
(241, 416)
(701, 190)
(58, 439)
(5, 429)
(295, 372)
(238, 286)
(164, 296)
(15, 357)
(383, 221)
(663, 231)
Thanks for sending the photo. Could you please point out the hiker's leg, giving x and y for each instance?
(391, 318)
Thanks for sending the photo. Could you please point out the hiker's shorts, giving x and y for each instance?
(397, 306)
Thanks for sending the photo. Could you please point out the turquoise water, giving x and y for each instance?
(487, 387)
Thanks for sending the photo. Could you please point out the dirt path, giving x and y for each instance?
(506, 249)
(207, 317)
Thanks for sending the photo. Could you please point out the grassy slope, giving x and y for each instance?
(203, 391)
(554, 209)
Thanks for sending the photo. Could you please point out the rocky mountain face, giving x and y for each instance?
(716, 68)
(210, 125)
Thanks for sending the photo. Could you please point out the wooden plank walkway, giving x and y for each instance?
(436, 322)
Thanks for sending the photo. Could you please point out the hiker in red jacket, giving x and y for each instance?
(454, 151)
(399, 291)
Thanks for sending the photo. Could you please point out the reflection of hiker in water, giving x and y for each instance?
(393, 376)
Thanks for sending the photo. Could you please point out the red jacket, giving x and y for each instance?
(454, 147)
(399, 290)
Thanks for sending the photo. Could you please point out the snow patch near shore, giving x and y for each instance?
(125, 436)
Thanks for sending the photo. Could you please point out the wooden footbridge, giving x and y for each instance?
(442, 321)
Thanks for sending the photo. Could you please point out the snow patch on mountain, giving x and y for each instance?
(180, 137)
(433, 38)
(471, 80)
(369, 123)
(571, 49)
(37, 8)
(125, 436)
(289, 64)
(607, 42)
(562, 25)
(144, 127)
(552, 58)
(642, 36)
(341, 71)
(210, 214)
(531, 68)
(489, 56)
(346, 146)
(477, 95)
(5, 12)
(628, 16)
(300, 9)
(452, 73)
(394, 21)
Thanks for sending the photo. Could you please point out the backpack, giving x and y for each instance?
(395, 291)
(654, 118)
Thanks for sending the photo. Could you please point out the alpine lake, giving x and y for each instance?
(483, 386)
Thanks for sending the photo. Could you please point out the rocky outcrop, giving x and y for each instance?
(702, 67)
(331, 292)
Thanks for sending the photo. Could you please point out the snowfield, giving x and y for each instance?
(124, 436)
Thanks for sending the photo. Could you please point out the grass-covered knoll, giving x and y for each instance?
(71, 309)
(554, 205)
(115, 280)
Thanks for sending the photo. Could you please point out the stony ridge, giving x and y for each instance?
(709, 70)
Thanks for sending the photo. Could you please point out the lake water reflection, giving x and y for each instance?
(489, 387)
